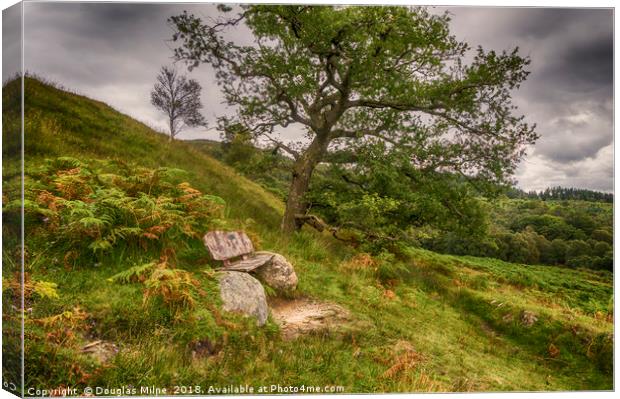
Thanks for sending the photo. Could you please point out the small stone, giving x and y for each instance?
(528, 318)
(102, 351)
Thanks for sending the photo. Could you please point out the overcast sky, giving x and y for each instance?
(112, 52)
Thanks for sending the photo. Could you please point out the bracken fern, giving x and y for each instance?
(93, 207)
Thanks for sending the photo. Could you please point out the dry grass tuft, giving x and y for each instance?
(405, 358)
(553, 350)
(362, 261)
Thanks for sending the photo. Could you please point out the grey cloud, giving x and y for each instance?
(11, 41)
(583, 67)
(541, 23)
(570, 151)
(573, 131)
(568, 93)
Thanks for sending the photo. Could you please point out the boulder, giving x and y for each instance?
(244, 294)
(278, 273)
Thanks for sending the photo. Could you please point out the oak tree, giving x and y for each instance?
(348, 75)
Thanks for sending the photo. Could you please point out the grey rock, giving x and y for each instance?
(244, 294)
(277, 273)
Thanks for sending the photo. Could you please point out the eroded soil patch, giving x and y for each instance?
(304, 316)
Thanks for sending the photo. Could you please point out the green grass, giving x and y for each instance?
(461, 316)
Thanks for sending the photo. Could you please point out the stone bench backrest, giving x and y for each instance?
(224, 245)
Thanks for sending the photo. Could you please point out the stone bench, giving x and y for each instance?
(235, 250)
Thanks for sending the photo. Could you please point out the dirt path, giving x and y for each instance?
(304, 316)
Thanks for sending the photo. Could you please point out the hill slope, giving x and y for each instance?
(422, 321)
(61, 123)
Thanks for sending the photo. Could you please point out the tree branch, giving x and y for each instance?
(286, 148)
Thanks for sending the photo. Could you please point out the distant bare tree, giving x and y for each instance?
(179, 98)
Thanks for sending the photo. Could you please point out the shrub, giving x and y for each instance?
(557, 251)
(577, 248)
(601, 248)
(582, 261)
(603, 235)
(551, 227)
(175, 287)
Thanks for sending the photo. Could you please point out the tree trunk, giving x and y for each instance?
(302, 172)
(171, 125)
(295, 204)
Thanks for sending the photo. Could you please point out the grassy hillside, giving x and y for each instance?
(421, 322)
(61, 124)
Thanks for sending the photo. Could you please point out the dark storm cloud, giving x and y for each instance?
(113, 52)
(95, 43)
(584, 67)
(540, 23)
(574, 150)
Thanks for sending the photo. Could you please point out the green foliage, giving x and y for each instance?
(42, 289)
(382, 197)
(238, 147)
(463, 244)
(175, 287)
(200, 327)
(534, 231)
(577, 248)
(603, 235)
(134, 274)
(46, 289)
(550, 226)
(562, 193)
(98, 206)
(264, 166)
(557, 251)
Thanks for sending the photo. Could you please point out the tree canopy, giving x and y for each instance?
(355, 75)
